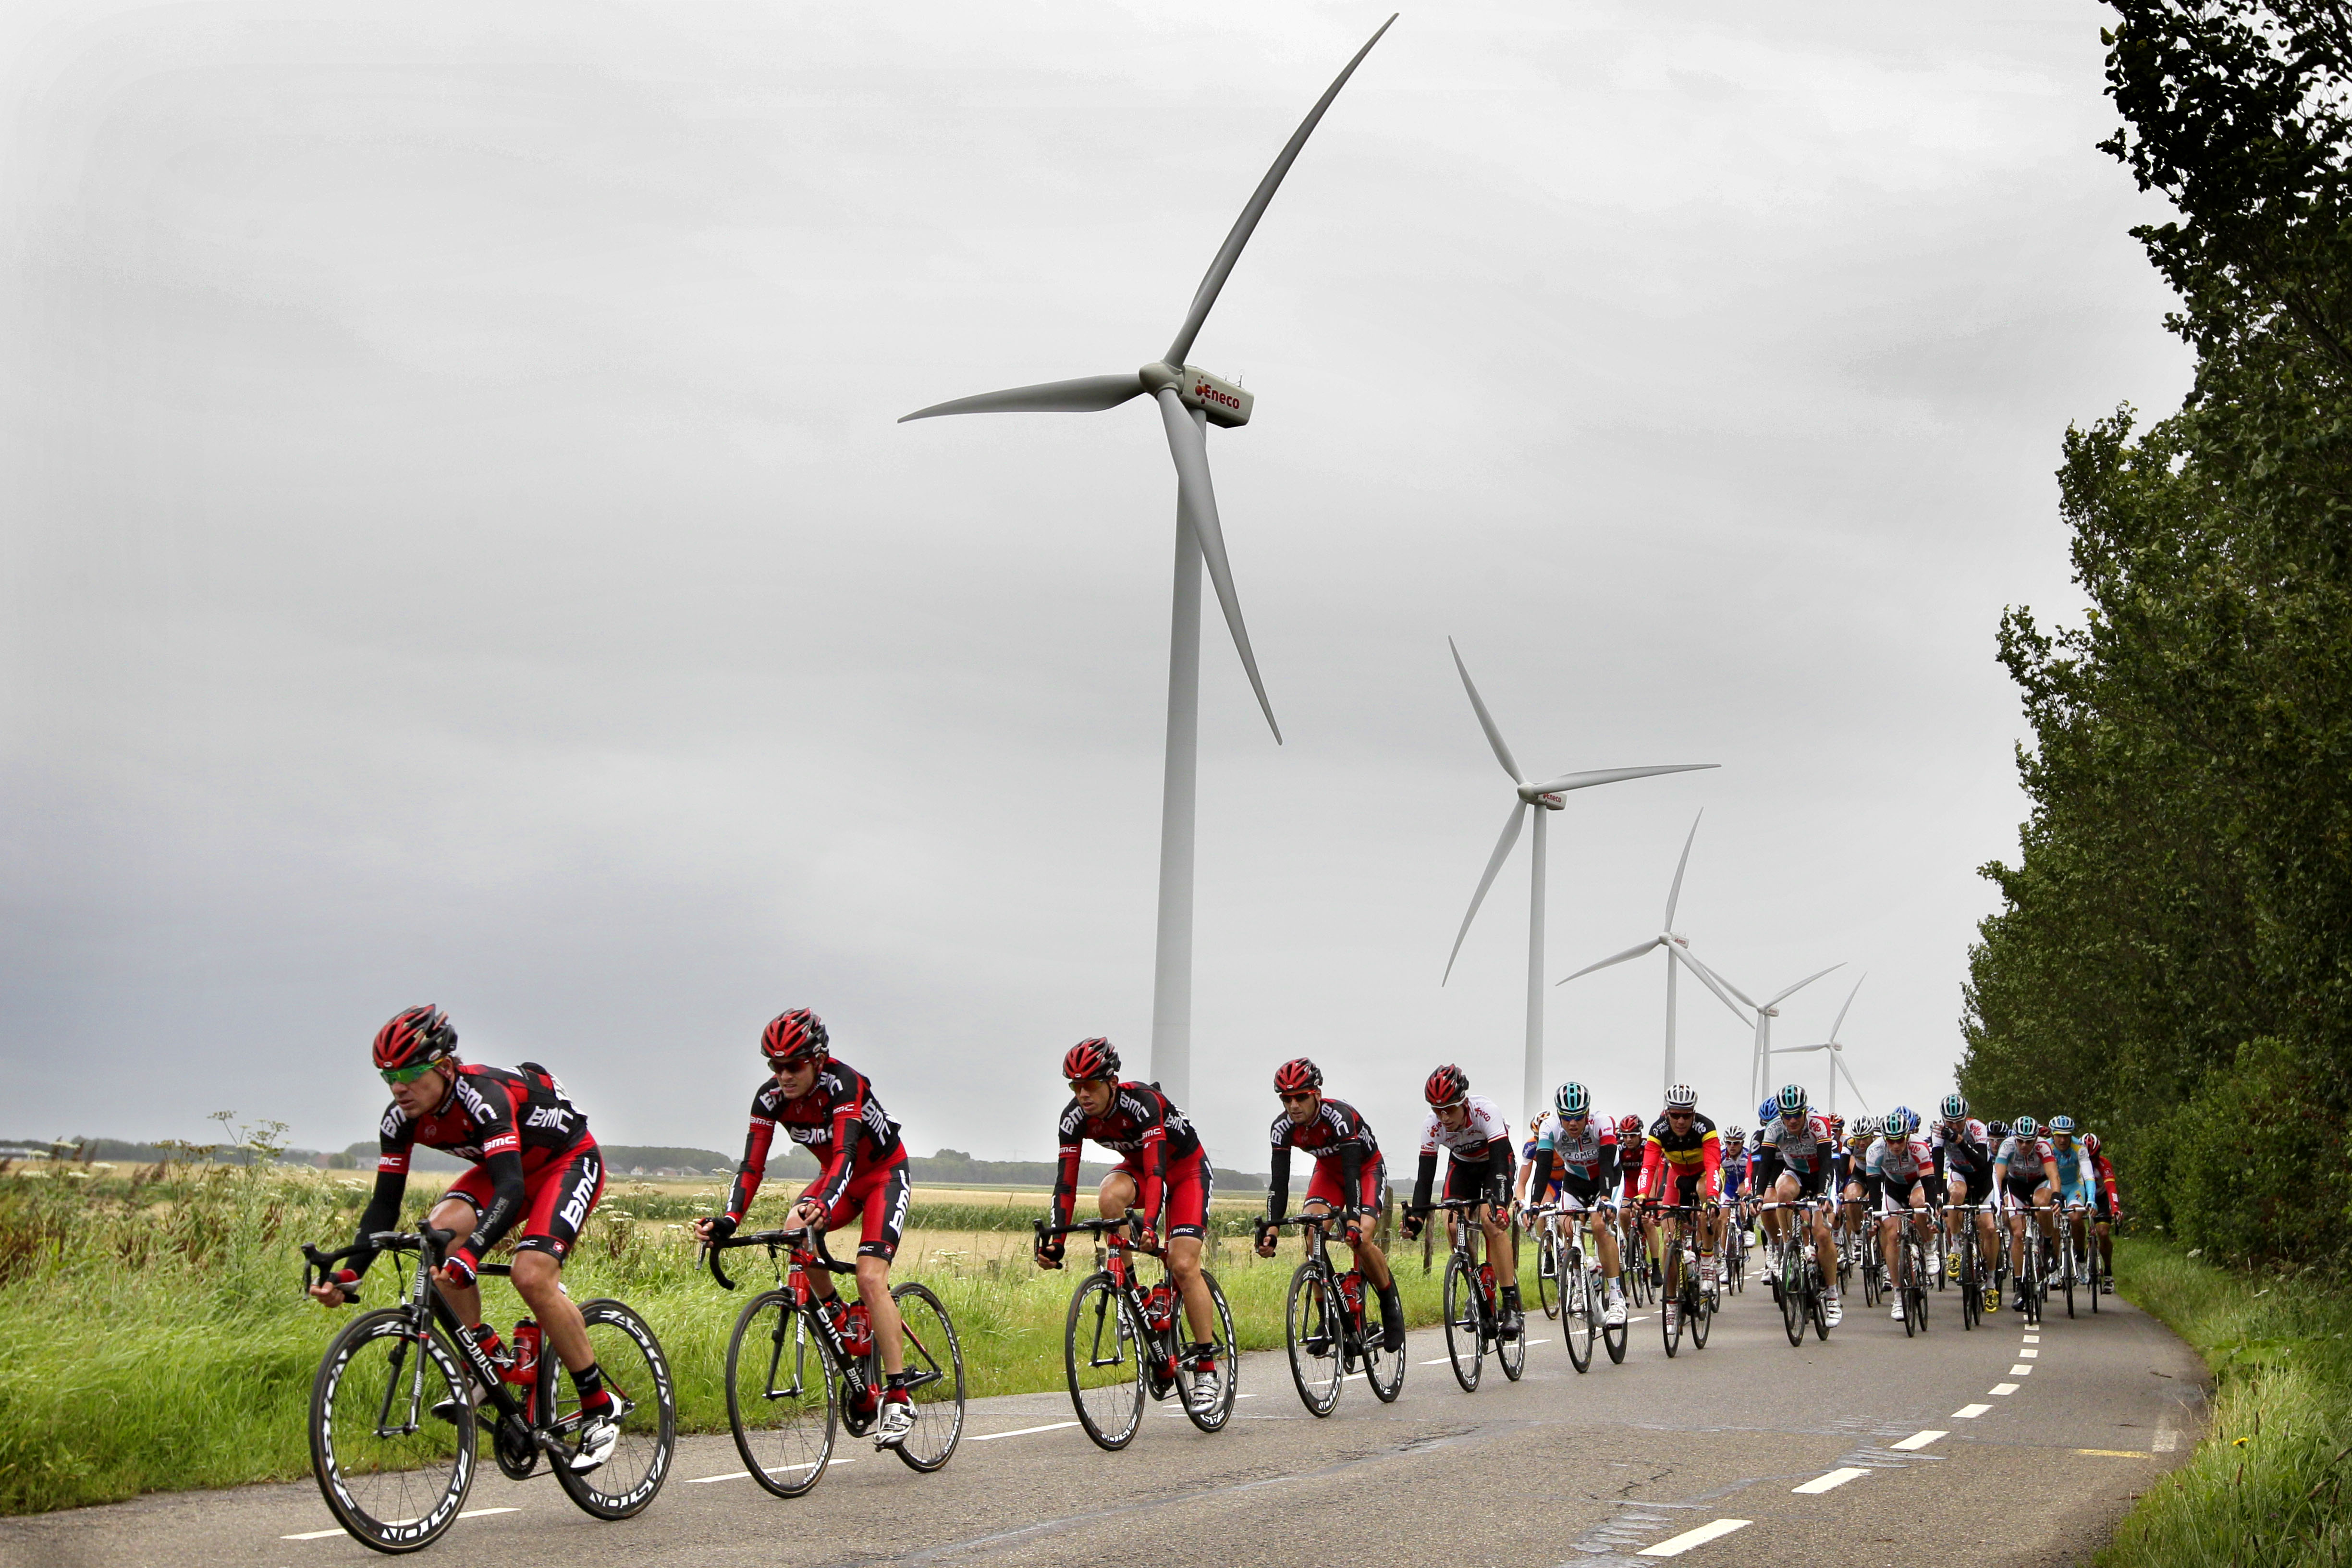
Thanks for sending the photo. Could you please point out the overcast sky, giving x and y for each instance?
(457, 547)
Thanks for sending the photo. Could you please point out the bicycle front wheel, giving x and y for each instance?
(1384, 1369)
(646, 1403)
(1792, 1299)
(1225, 1361)
(783, 1398)
(1315, 1329)
(934, 1363)
(1699, 1315)
(1575, 1324)
(1462, 1346)
(1103, 1352)
(1551, 1289)
(394, 1473)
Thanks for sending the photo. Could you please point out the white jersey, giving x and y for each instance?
(1903, 1160)
(1481, 1127)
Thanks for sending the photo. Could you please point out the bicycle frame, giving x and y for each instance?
(804, 1248)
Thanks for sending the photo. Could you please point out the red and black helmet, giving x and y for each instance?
(1629, 1124)
(1297, 1075)
(793, 1037)
(419, 1035)
(1446, 1086)
(1096, 1057)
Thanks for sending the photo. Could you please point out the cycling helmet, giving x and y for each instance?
(1681, 1096)
(1297, 1076)
(1956, 1107)
(1734, 1136)
(1901, 1122)
(1996, 1131)
(1792, 1099)
(1629, 1125)
(419, 1035)
(1837, 1126)
(1572, 1099)
(1446, 1086)
(2091, 1145)
(2025, 1127)
(793, 1037)
(1769, 1110)
(1096, 1057)
(2059, 1124)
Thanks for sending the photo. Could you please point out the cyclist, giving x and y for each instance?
(2111, 1213)
(1334, 1133)
(1900, 1162)
(1857, 1193)
(1735, 1175)
(1478, 1141)
(533, 1166)
(1629, 1194)
(2025, 1174)
(1527, 1165)
(1799, 1142)
(1682, 1165)
(1963, 1151)
(1576, 1159)
(1163, 1171)
(828, 1106)
(2078, 1177)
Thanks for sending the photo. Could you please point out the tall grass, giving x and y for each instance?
(153, 1336)
(2266, 1487)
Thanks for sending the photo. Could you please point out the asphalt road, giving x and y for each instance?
(1996, 1448)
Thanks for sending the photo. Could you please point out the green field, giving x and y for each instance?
(154, 1335)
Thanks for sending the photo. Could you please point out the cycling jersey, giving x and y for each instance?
(838, 1114)
(1480, 1150)
(2109, 1197)
(514, 1126)
(1804, 1149)
(1735, 1178)
(2078, 1177)
(2023, 1158)
(1149, 1135)
(1337, 1132)
(1527, 1157)
(1583, 1162)
(1685, 1156)
(1902, 1162)
(1964, 1149)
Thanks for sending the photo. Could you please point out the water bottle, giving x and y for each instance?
(857, 1330)
(1351, 1288)
(1160, 1306)
(525, 1369)
(836, 1312)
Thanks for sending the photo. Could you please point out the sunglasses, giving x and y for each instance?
(1680, 1115)
(1300, 1098)
(409, 1074)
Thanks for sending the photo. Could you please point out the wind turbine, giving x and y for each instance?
(1189, 400)
(1837, 1054)
(1766, 1012)
(1678, 953)
(1545, 796)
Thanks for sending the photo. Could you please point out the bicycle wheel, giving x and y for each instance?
(2098, 1277)
(1902, 1291)
(1225, 1350)
(1791, 1289)
(1104, 1354)
(1918, 1307)
(1384, 1369)
(783, 1395)
(393, 1474)
(1817, 1306)
(2066, 1273)
(1670, 1323)
(637, 1373)
(934, 1363)
(1612, 1335)
(1462, 1346)
(1313, 1326)
(1511, 1354)
(1576, 1323)
(1551, 1289)
(1972, 1293)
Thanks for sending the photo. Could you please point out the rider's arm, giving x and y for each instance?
(1654, 1158)
(1154, 1185)
(1065, 1170)
(1423, 1179)
(1499, 1166)
(1277, 1186)
(507, 1195)
(848, 1113)
(1351, 1170)
(754, 1168)
(1539, 1173)
(1710, 1149)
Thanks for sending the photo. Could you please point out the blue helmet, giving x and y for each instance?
(1901, 1122)
(1769, 1110)
(2062, 1124)
(1792, 1100)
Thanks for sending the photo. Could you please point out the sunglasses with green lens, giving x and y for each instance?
(408, 1074)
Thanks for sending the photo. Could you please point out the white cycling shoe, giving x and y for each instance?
(1614, 1314)
(898, 1420)
(1898, 1309)
(598, 1438)
(1206, 1393)
(1833, 1311)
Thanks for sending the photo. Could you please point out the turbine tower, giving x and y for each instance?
(1547, 797)
(1189, 400)
(1837, 1054)
(1678, 954)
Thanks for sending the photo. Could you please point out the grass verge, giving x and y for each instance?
(2266, 1487)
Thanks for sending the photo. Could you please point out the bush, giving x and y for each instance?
(2256, 1167)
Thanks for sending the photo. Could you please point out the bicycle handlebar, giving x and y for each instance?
(1132, 1222)
(771, 1239)
(1322, 1217)
(318, 1266)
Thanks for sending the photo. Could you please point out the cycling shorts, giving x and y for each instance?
(1978, 1187)
(1328, 1186)
(2017, 1195)
(1894, 1194)
(878, 1197)
(1466, 1179)
(2076, 1192)
(1575, 1194)
(1872, 1186)
(1810, 1183)
(1184, 1193)
(2107, 1205)
(1683, 1184)
(557, 1198)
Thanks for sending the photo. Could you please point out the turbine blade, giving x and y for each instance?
(1487, 720)
(1230, 251)
(1612, 776)
(1087, 394)
(1675, 893)
(1197, 498)
(1800, 984)
(1630, 953)
(1848, 1007)
(1493, 865)
(1840, 1060)
(1714, 982)
(1698, 966)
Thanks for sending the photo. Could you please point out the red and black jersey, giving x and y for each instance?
(839, 1121)
(1140, 1126)
(1336, 1131)
(513, 1123)
(1698, 1147)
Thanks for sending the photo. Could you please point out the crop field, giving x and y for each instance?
(154, 1335)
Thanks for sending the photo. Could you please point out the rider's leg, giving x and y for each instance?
(456, 1217)
(1184, 1266)
(882, 1308)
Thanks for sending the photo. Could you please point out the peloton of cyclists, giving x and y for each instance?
(1336, 1135)
(1476, 1138)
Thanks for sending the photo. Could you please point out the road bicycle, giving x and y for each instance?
(1473, 1321)
(2072, 1267)
(1735, 1252)
(801, 1369)
(1962, 1263)
(1123, 1344)
(1684, 1288)
(1634, 1251)
(1797, 1285)
(2033, 1280)
(393, 1425)
(1583, 1290)
(1910, 1273)
(1324, 1322)
(1874, 1274)
(2095, 1269)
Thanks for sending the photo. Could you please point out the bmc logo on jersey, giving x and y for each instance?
(553, 1116)
(583, 1193)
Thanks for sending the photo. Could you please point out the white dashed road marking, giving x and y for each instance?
(2004, 1388)
(1831, 1481)
(1969, 1412)
(2020, 1369)
(2027, 1355)
(322, 1534)
(1918, 1440)
(1676, 1545)
(1023, 1431)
